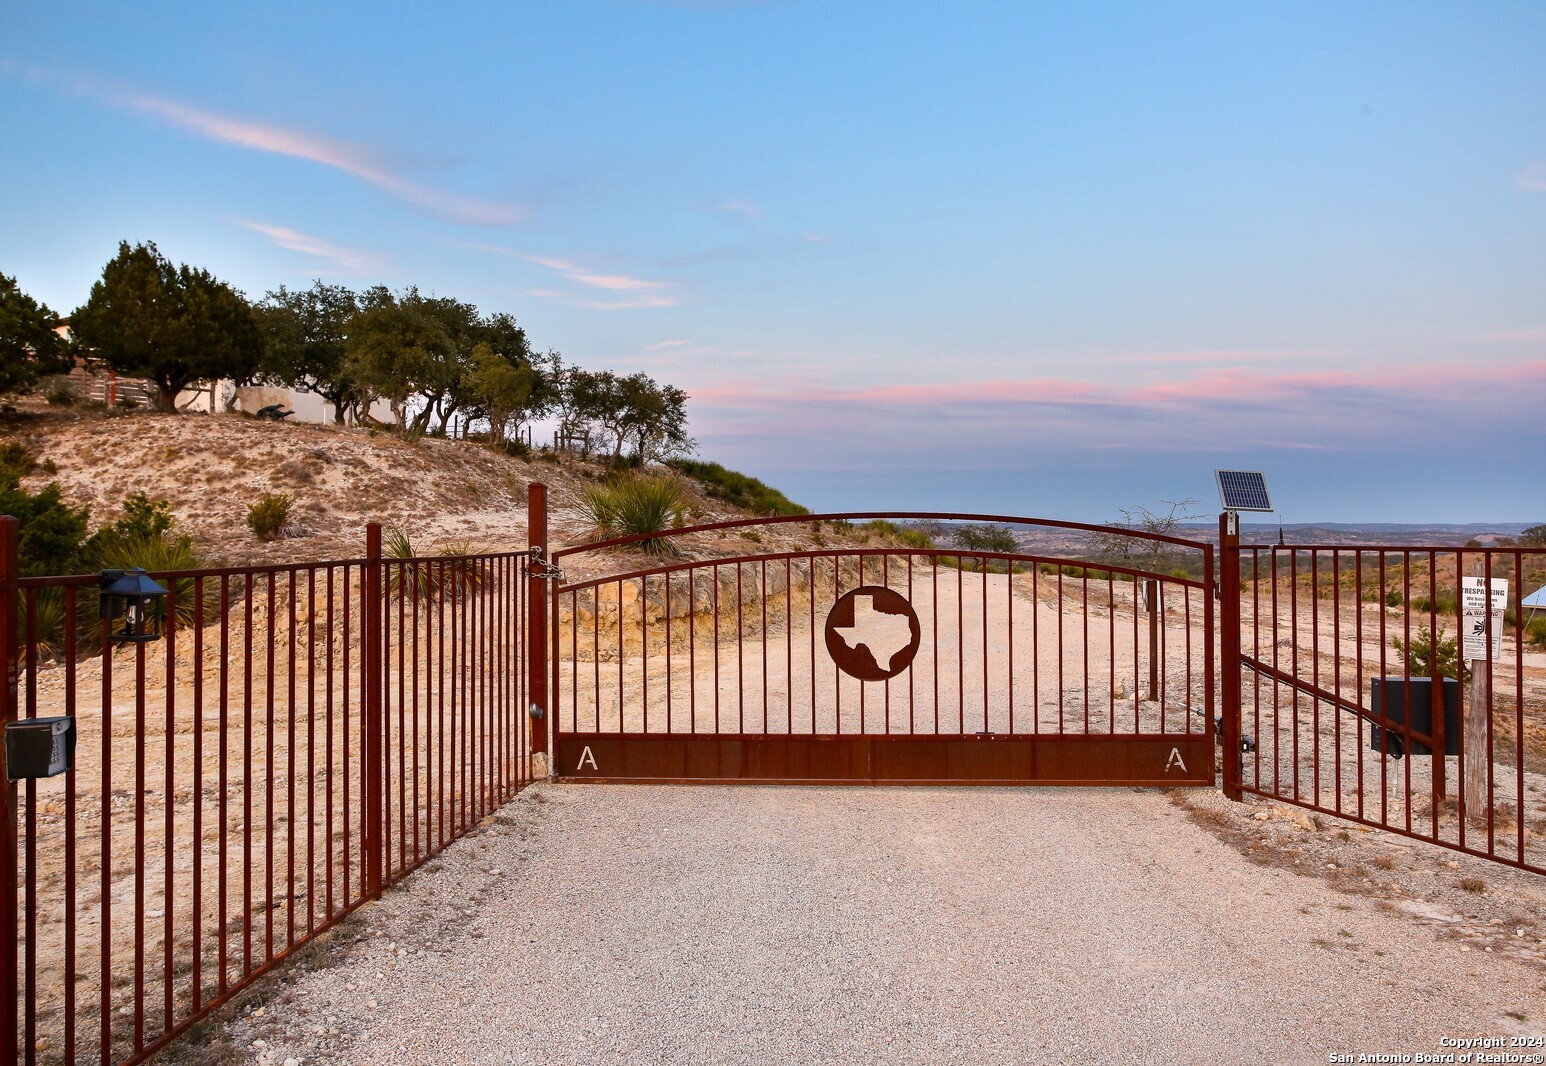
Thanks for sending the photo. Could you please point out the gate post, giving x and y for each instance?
(372, 642)
(1229, 650)
(537, 618)
(10, 570)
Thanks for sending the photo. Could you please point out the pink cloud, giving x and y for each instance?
(295, 241)
(1329, 410)
(356, 160)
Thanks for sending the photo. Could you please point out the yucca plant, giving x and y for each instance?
(158, 553)
(634, 505)
(46, 624)
(429, 579)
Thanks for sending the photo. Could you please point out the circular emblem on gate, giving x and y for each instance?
(872, 633)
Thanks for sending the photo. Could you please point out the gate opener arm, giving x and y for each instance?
(1247, 742)
(1399, 729)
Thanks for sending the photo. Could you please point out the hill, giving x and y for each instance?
(211, 468)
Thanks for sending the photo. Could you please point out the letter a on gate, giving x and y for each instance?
(1170, 763)
(587, 757)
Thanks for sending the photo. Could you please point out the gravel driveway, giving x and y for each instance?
(634, 924)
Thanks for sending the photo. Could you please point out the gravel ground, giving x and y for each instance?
(634, 924)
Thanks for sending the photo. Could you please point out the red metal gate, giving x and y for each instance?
(1350, 671)
(885, 664)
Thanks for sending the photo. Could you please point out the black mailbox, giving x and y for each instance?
(39, 747)
(1389, 696)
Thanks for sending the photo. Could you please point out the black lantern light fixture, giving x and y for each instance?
(131, 595)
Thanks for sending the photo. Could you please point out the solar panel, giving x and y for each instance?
(1243, 490)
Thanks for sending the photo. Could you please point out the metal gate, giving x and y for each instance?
(1355, 667)
(886, 664)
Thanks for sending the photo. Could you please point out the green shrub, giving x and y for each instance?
(1535, 630)
(429, 578)
(1393, 598)
(633, 505)
(742, 490)
(17, 459)
(61, 396)
(53, 535)
(1425, 654)
(144, 518)
(268, 516)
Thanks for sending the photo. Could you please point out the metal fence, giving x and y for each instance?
(300, 737)
(1398, 687)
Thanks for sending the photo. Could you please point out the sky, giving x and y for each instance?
(1017, 258)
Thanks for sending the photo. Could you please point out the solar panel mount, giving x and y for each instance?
(1243, 490)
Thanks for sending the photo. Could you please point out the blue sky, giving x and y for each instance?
(1014, 257)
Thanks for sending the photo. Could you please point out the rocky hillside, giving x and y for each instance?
(211, 468)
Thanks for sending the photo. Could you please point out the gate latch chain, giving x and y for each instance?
(540, 568)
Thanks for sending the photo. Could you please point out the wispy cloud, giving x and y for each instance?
(351, 259)
(623, 292)
(744, 208)
(1378, 410)
(1533, 178)
(356, 160)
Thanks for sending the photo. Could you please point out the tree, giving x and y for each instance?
(1534, 537)
(29, 347)
(654, 418)
(500, 388)
(986, 538)
(396, 351)
(173, 325)
(1142, 550)
(587, 398)
(307, 335)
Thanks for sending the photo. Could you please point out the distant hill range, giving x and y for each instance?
(1074, 543)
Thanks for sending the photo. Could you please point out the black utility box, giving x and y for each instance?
(1388, 696)
(39, 747)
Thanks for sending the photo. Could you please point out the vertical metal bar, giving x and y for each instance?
(105, 929)
(740, 651)
(268, 773)
(536, 621)
(1229, 649)
(290, 773)
(418, 661)
(29, 903)
(327, 705)
(1315, 674)
(168, 900)
(371, 641)
(311, 750)
(1035, 648)
(10, 573)
(223, 887)
(71, 642)
(139, 846)
(716, 649)
(1358, 660)
(247, 642)
(1336, 672)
